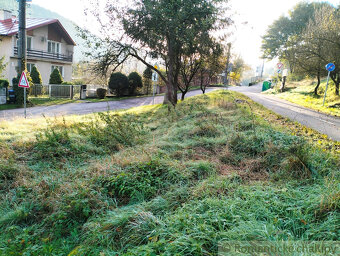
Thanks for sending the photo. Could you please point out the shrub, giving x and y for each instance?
(4, 83)
(147, 75)
(135, 81)
(18, 91)
(55, 77)
(118, 84)
(36, 76)
(67, 83)
(101, 93)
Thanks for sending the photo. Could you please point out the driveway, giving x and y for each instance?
(86, 107)
(320, 122)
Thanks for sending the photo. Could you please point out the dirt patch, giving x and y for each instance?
(248, 170)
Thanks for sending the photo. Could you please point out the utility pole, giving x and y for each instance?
(22, 42)
(227, 66)
(262, 69)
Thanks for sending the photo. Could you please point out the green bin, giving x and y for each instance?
(266, 85)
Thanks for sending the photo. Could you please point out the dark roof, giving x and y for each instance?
(10, 27)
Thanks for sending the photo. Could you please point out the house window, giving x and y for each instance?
(30, 66)
(29, 43)
(53, 47)
(60, 68)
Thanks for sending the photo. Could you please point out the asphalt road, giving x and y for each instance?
(323, 123)
(320, 122)
(86, 107)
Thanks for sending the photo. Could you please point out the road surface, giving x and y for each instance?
(323, 123)
(320, 122)
(86, 107)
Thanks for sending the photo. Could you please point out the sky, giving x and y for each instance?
(251, 17)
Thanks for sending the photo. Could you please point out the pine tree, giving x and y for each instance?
(36, 76)
(18, 91)
(55, 77)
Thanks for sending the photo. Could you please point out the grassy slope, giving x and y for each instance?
(302, 93)
(149, 182)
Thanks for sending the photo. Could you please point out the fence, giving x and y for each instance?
(63, 90)
(55, 91)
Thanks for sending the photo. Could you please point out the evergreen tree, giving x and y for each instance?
(18, 91)
(36, 76)
(55, 77)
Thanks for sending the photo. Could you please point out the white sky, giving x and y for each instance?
(247, 38)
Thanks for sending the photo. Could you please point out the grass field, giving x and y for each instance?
(151, 182)
(302, 93)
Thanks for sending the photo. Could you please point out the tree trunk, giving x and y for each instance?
(183, 96)
(171, 86)
(283, 84)
(318, 84)
(336, 79)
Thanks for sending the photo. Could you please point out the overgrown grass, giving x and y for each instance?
(148, 182)
(302, 93)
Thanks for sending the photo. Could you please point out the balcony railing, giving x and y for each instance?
(46, 55)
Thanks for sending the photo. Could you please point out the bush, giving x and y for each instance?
(135, 81)
(101, 93)
(67, 83)
(18, 91)
(119, 84)
(55, 77)
(147, 75)
(4, 83)
(36, 76)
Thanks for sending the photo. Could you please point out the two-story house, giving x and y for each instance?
(49, 46)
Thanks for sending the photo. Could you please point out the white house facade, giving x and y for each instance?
(49, 46)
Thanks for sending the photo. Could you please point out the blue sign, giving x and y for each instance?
(330, 67)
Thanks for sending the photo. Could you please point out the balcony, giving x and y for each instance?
(46, 55)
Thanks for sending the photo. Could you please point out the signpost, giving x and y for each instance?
(154, 81)
(279, 67)
(23, 82)
(22, 48)
(329, 67)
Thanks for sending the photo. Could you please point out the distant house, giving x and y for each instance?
(49, 46)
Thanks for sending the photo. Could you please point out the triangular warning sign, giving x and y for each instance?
(23, 81)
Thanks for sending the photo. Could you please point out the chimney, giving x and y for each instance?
(5, 14)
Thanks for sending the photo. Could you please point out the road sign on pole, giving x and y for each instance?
(279, 65)
(23, 82)
(154, 81)
(329, 67)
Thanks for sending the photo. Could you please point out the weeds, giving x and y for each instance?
(149, 182)
(113, 131)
